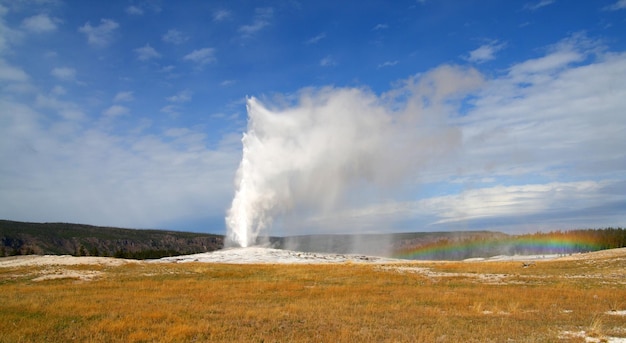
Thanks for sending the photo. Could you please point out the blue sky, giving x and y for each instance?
(130, 113)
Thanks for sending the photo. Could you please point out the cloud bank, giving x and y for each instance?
(537, 142)
(342, 159)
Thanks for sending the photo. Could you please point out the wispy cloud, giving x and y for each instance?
(533, 104)
(141, 8)
(619, 5)
(65, 109)
(40, 23)
(533, 6)
(172, 110)
(8, 35)
(508, 201)
(58, 90)
(146, 52)
(328, 61)
(517, 206)
(387, 64)
(175, 37)
(167, 69)
(221, 15)
(64, 73)
(316, 39)
(262, 18)
(134, 10)
(12, 73)
(380, 27)
(124, 97)
(100, 35)
(484, 53)
(180, 97)
(116, 179)
(533, 70)
(115, 111)
(201, 56)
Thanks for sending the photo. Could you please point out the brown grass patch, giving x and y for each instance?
(445, 302)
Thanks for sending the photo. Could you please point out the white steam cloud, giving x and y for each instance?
(308, 156)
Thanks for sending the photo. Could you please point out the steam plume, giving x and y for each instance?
(309, 155)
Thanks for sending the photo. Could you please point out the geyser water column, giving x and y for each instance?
(317, 156)
(244, 220)
(304, 157)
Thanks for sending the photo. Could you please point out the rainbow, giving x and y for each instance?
(524, 245)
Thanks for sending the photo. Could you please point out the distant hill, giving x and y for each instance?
(378, 244)
(20, 238)
(457, 245)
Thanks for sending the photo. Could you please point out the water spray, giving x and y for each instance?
(305, 158)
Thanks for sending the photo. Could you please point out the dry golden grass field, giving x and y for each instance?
(576, 299)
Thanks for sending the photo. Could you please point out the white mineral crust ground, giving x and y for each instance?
(253, 255)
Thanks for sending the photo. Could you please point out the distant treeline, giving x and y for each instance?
(554, 242)
(20, 238)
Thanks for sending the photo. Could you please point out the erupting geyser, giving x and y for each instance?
(302, 159)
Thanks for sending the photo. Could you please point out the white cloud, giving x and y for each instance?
(221, 15)
(167, 69)
(134, 10)
(100, 35)
(40, 23)
(58, 90)
(380, 27)
(115, 111)
(64, 73)
(328, 61)
(65, 109)
(118, 180)
(387, 64)
(539, 68)
(537, 5)
(547, 134)
(180, 97)
(201, 56)
(549, 117)
(619, 5)
(124, 97)
(485, 52)
(141, 8)
(509, 201)
(146, 52)
(175, 37)
(173, 110)
(570, 204)
(262, 18)
(316, 39)
(8, 35)
(11, 73)
(177, 132)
